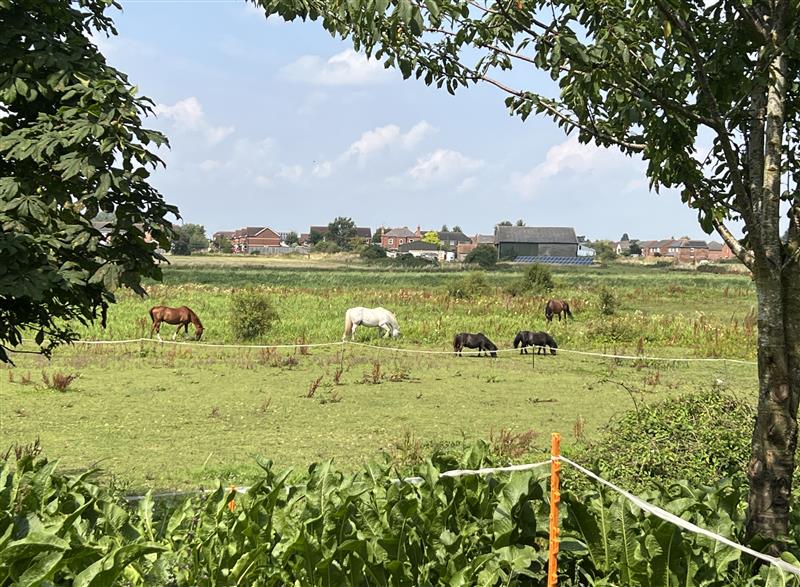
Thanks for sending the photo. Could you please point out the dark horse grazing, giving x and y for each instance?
(538, 340)
(556, 307)
(474, 341)
(181, 316)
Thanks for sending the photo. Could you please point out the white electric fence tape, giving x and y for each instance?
(680, 522)
(411, 351)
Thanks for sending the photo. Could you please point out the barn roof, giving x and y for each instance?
(535, 234)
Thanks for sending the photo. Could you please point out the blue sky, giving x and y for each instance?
(278, 124)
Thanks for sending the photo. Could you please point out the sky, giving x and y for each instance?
(280, 125)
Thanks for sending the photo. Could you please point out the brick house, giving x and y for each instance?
(254, 238)
(691, 251)
(392, 239)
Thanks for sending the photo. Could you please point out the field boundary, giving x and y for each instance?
(638, 502)
(410, 351)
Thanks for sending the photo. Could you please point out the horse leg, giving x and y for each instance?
(157, 328)
(174, 336)
(353, 332)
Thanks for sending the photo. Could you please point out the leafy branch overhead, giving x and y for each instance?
(666, 81)
(72, 148)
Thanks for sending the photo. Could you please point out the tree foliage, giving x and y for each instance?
(341, 231)
(431, 237)
(189, 238)
(483, 255)
(72, 146)
(292, 238)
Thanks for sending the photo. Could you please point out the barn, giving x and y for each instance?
(535, 241)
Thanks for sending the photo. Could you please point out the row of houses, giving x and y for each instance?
(685, 250)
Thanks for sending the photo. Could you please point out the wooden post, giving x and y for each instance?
(555, 498)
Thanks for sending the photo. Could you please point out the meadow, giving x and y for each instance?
(176, 416)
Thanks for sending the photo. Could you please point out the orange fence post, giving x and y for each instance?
(555, 498)
(232, 503)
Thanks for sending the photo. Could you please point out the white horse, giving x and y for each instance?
(379, 317)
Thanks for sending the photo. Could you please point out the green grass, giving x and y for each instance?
(164, 416)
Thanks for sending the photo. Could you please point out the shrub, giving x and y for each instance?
(483, 255)
(58, 381)
(471, 285)
(326, 247)
(373, 252)
(537, 280)
(410, 261)
(252, 314)
(703, 437)
(608, 301)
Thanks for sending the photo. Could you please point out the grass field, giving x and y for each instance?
(165, 416)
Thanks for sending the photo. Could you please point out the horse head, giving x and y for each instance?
(198, 332)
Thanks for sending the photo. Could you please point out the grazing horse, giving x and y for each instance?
(538, 340)
(474, 341)
(380, 317)
(181, 316)
(556, 307)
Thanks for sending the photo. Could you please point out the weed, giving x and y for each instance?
(653, 378)
(265, 405)
(332, 398)
(579, 428)
(337, 376)
(408, 450)
(290, 362)
(313, 386)
(375, 376)
(215, 413)
(509, 445)
(58, 381)
(266, 356)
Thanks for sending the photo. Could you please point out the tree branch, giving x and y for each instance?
(744, 255)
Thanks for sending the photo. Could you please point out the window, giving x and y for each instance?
(391, 241)
(400, 241)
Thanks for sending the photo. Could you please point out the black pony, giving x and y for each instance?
(539, 340)
(474, 341)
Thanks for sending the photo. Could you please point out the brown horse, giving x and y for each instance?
(181, 316)
(557, 307)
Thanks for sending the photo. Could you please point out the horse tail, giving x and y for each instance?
(548, 311)
(456, 343)
(566, 309)
(153, 314)
(348, 325)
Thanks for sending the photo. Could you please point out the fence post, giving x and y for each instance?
(555, 498)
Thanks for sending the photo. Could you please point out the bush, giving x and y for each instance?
(703, 437)
(608, 301)
(537, 280)
(326, 247)
(483, 255)
(372, 252)
(471, 285)
(408, 260)
(252, 314)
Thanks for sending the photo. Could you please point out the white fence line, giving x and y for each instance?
(414, 351)
(680, 522)
(638, 502)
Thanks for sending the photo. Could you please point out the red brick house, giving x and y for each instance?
(254, 238)
(395, 237)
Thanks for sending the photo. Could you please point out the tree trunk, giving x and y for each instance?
(772, 463)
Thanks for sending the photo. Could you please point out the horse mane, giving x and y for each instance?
(195, 320)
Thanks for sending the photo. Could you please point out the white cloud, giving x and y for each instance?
(322, 170)
(209, 165)
(466, 185)
(291, 173)
(347, 68)
(442, 164)
(571, 156)
(187, 116)
(383, 137)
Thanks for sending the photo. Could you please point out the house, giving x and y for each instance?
(533, 241)
(362, 232)
(254, 238)
(392, 239)
(649, 248)
(585, 250)
(451, 239)
(622, 247)
(463, 249)
(422, 249)
(718, 251)
(691, 251)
